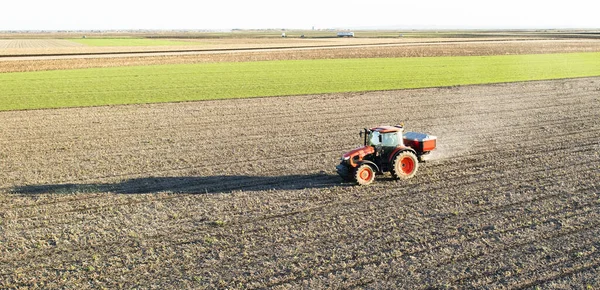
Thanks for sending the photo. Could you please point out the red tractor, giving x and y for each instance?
(386, 149)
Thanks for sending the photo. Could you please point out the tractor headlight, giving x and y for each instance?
(345, 158)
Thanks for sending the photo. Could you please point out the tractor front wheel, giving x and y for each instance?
(364, 175)
(405, 165)
(344, 171)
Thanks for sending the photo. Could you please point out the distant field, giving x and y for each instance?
(42, 44)
(427, 48)
(119, 45)
(130, 42)
(328, 33)
(172, 83)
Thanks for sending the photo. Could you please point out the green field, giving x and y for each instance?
(171, 83)
(131, 42)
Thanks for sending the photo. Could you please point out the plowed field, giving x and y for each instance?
(242, 193)
(42, 44)
(254, 51)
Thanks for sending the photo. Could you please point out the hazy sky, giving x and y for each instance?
(227, 14)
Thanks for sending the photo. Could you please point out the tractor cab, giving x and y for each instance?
(385, 139)
(388, 136)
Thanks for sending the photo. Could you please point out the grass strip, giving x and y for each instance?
(191, 82)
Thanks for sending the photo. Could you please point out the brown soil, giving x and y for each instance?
(407, 49)
(242, 193)
(64, 46)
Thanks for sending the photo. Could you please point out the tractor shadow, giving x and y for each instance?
(189, 185)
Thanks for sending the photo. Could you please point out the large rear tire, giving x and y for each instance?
(364, 175)
(405, 165)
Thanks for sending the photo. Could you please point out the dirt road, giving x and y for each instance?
(243, 193)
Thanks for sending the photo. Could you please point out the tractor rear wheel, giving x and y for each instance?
(364, 175)
(405, 165)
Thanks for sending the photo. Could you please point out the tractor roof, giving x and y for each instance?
(387, 129)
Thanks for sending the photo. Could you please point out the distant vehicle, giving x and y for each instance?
(345, 34)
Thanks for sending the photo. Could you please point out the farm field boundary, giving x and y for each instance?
(209, 81)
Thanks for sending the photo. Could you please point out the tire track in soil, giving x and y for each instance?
(547, 272)
(549, 265)
(466, 257)
(369, 254)
(372, 258)
(465, 282)
(584, 266)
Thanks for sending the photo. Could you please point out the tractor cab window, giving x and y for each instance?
(375, 139)
(389, 139)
